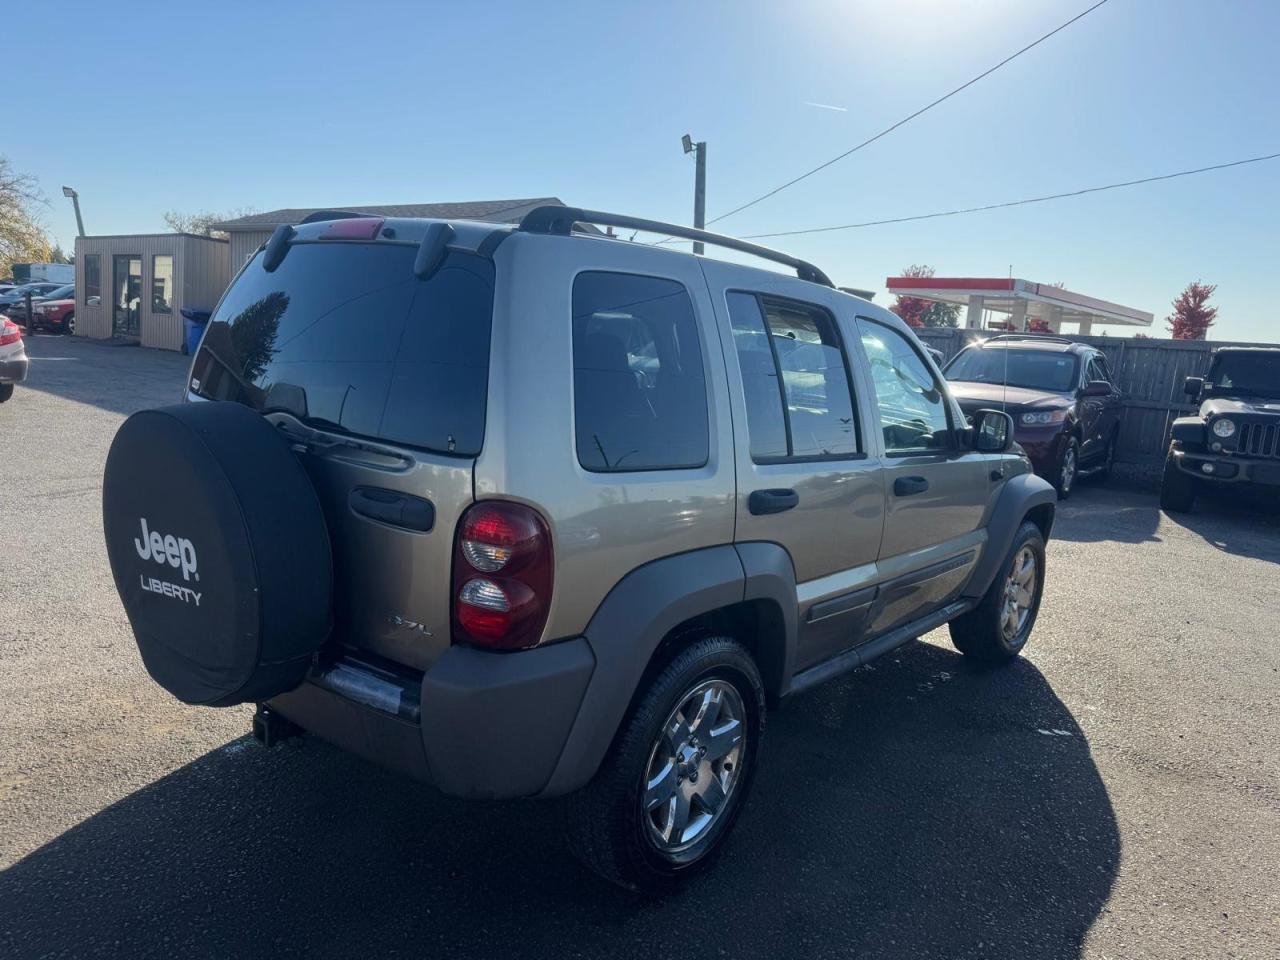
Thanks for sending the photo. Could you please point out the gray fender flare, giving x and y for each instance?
(626, 629)
(1020, 495)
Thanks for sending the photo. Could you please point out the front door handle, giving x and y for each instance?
(392, 508)
(909, 486)
(772, 501)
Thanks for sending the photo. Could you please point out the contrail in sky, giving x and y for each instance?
(825, 106)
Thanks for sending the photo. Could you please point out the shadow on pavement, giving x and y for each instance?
(1245, 524)
(920, 808)
(120, 379)
(1097, 512)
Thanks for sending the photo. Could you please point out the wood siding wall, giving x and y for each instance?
(1149, 373)
(200, 274)
(244, 245)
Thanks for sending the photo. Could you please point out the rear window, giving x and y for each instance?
(640, 400)
(346, 338)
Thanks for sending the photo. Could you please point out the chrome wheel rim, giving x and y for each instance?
(70, 326)
(1019, 594)
(1068, 468)
(694, 766)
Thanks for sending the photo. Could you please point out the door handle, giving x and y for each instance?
(908, 486)
(392, 508)
(772, 501)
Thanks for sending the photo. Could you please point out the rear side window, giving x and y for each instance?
(639, 392)
(346, 338)
(796, 384)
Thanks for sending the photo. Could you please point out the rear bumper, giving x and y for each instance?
(476, 724)
(13, 371)
(1228, 469)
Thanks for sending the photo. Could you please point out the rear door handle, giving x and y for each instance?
(772, 501)
(908, 486)
(392, 508)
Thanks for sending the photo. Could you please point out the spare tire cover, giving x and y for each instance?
(219, 550)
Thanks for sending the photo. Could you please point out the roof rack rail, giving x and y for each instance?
(1043, 337)
(560, 220)
(334, 215)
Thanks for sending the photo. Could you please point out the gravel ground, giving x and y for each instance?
(1116, 793)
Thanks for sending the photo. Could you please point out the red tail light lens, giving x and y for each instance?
(353, 228)
(9, 333)
(501, 576)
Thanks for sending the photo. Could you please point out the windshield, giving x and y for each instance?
(1033, 369)
(344, 337)
(1254, 374)
(61, 293)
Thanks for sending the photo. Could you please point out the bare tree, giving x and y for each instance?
(202, 223)
(22, 236)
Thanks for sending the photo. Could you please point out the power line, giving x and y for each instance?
(1013, 203)
(907, 119)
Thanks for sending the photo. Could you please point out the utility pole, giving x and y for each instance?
(699, 151)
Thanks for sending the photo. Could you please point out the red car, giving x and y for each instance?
(51, 314)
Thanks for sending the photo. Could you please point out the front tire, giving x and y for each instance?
(6, 391)
(679, 771)
(998, 628)
(1177, 490)
(1068, 469)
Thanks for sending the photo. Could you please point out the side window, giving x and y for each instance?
(640, 397)
(913, 408)
(1098, 369)
(799, 404)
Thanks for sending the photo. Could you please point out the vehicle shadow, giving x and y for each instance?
(1235, 523)
(1096, 512)
(919, 808)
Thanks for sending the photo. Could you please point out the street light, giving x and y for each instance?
(75, 202)
(699, 151)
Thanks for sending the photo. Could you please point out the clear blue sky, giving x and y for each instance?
(161, 106)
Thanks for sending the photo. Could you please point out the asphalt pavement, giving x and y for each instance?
(1114, 794)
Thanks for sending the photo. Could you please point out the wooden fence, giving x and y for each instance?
(1150, 374)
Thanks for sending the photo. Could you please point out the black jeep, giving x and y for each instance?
(1235, 435)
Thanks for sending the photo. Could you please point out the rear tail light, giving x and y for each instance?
(9, 333)
(353, 228)
(501, 576)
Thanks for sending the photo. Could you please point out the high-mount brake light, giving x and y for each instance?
(10, 332)
(354, 228)
(501, 576)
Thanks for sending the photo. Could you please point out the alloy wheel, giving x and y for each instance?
(695, 766)
(1068, 469)
(1019, 594)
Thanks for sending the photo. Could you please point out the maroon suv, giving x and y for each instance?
(1061, 395)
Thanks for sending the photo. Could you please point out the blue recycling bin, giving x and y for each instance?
(193, 323)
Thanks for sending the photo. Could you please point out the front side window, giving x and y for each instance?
(794, 378)
(639, 391)
(162, 284)
(93, 279)
(913, 408)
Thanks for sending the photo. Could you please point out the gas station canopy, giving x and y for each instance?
(1020, 300)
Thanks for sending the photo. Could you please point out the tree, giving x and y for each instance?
(58, 255)
(22, 237)
(1192, 316)
(202, 223)
(918, 312)
(254, 333)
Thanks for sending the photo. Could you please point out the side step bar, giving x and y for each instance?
(872, 649)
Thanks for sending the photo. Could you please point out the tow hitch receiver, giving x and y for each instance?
(269, 728)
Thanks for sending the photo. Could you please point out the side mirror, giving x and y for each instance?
(992, 431)
(1192, 386)
(1096, 388)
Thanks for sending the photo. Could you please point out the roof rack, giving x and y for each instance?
(560, 220)
(1043, 338)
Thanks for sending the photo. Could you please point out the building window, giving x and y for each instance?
(640, 397)
(93, 279)
(162, 284)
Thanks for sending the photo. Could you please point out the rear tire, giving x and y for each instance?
(676, 778)
(6, 391)
(1177, 490)
(69, 325)
(998, 628)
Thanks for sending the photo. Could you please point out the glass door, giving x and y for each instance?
(126, 294)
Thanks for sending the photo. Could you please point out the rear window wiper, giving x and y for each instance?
(317, 435)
